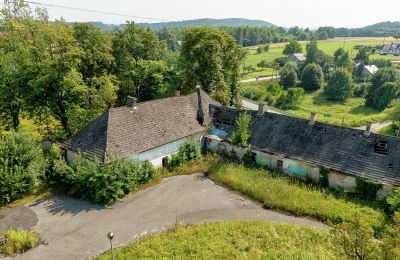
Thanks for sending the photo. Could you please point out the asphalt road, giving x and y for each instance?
(73, 229)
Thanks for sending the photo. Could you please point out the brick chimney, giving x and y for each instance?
(131, 102)
(368, 129)
(313, 118)
(200, 111)
(177, 93)
(261, 108)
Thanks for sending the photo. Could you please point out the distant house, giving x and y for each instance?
(301, 148)
(390, 49)
(296, 57)
(370, 70)
(147, 131)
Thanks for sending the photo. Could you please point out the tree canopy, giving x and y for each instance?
(292, 47)
(340, 85)
(312, 77)
(211, 58)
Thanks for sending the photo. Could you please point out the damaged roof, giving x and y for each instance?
(126, 131)
(344, 150)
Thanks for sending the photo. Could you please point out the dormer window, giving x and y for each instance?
(381, 147)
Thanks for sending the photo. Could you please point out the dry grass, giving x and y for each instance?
(19, 241)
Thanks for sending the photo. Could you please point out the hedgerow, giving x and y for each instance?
(95, 182)
(21, 166)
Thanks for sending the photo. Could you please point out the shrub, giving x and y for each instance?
(367, 189)
(324, 177)
(98, 183)
(340, 85)
(312, 77)
(241, 135)
(21, 167)
(360, 90)
(394, 201)
(20, 241)
(291, 98)
(188, 152)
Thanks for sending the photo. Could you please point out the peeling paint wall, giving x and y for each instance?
(342, 182)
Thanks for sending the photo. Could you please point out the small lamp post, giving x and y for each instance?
(110, 236)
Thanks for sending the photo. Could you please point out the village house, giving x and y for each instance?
(148, 131)
(301, 148)
(296, 57)
(390, 49)
(370, 70)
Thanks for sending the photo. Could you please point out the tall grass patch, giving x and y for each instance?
(283, 193)
(18, 241)
(233, 240)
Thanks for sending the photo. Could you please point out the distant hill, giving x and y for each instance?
(209, 22)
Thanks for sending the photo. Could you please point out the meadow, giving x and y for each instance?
(328, 46)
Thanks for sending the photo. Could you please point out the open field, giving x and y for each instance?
(352, 113)
(327, 46)
(233, 240)
(280, 192)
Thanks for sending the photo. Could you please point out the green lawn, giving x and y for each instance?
(233, 240)
(280, 192)
(352, 113)
(327, 46)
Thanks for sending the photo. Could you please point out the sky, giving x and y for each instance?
(286, 13)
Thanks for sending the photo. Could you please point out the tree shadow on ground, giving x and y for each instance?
(363, 110)
(61, 205)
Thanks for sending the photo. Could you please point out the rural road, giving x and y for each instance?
(73, 229)
(259, 79)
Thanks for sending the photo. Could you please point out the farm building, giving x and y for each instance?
(390, 49)
(296, 57)
(370, 70)
(148, 131)
(301, 148)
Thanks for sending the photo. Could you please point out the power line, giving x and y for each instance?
(98, 12)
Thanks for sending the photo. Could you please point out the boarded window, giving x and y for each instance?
(279, 165)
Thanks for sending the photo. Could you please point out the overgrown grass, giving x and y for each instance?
(280, 192)
(30, 198)
(351, 113)
(388, 130)
(18, 241)
(233, 240)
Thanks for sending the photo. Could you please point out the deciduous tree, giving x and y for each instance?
(312, 77)
(292, 47)
(340, 85)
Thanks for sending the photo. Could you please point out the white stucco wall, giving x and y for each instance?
(156, 155)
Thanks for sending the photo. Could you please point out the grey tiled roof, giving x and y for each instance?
(125, 131)
(341, 149)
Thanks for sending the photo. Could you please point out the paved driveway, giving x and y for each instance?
(73, 229)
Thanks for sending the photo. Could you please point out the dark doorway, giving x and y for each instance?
(279, 165)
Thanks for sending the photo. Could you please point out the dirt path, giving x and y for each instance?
(73, 229)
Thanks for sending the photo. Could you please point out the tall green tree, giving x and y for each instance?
(138, 53)
(312, 77)
(340, 85)
(385, 88)
(292, 47)
(288, 75)
(211, 58)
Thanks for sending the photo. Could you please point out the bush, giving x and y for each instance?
(312, 77)
(98, 183)
(188, 152)
(340, 85)
(367, 189)
(324, 177)
(241, 135)
(394, 201)
(291, 98)
(21, 167)
(20, 241)
(360, 90)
